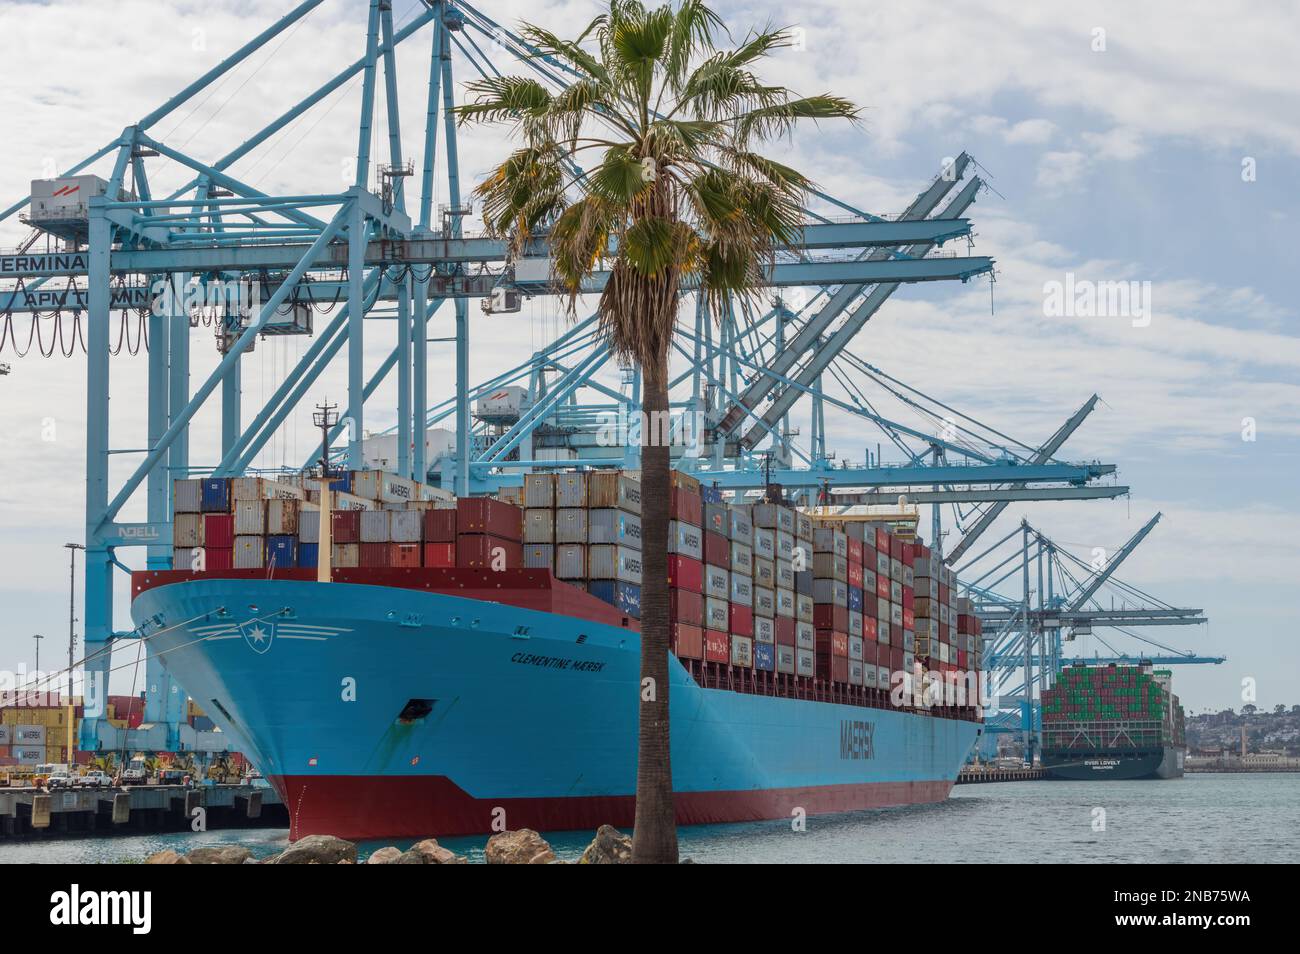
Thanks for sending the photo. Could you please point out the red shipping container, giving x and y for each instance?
(869, 628)
(868, 653)
(217, 558)
(486, 551)
(855, 575)
(943, 593)
(909, 619)
(909, 554)
(440, 554)
(345, 526)
(685, 573)
(830, 616)
(882, 586)
(895, 658)
(961, 659)
(785, 630)
(488, 516)
(836, 643)
(855, 553)
(404, 554)
(741, 620)
(896, 548)
(440, 526)
(373, 554)
(688, 641)
(909, 599)
(686, 506)
(219, 530)
(685, 606)
(717, 550)
(832, 668)
(717, 646)
(882, 539)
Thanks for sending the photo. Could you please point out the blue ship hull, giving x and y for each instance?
(379, 711)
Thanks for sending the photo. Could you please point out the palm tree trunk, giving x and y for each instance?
(654, 837)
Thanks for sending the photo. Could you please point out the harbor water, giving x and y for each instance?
(1212, 818)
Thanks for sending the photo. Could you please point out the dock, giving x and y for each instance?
(28, 812)
(973, 776)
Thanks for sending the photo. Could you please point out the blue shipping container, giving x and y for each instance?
(216, 495)
(711, 495)
(308, 554)
(625, 596)
(765, 657)
(282, 551)
(855, 599)
(343, 483)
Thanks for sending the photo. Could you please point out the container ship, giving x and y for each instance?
(1113, 722)
(463, 665)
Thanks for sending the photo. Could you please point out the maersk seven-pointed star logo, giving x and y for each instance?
(258, 634)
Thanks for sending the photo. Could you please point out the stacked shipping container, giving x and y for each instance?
(1111, 706)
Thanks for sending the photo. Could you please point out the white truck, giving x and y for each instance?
(93, 779)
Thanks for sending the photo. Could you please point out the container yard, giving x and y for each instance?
(570, 467)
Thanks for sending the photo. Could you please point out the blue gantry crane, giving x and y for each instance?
(337, 267)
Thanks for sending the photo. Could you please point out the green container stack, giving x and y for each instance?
(1126, 705)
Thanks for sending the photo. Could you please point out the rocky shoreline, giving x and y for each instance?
(522, 847)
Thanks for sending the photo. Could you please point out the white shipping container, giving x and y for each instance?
(803, 526)
(764, 543)
(855, 623)
(185, 558)
(742, 559)
(717, 582)
(394, 489)
(855, 672)
(784, 575)
(282, 515)
(346, 554)
(366, 483)
(376, 526)
(869, 676)
(260, 488)
(571, 561)
(406, 526)
(784, 545)
(882, 564)
(785, 659)
(685, 540)
(773, 517)
(309, 525)
(571, 525)
(805, 637)
(29, 735)
(187, 530)
(539, 556)
(187, 496)
(785, 603)
(539, 525)
(855, 647)
(895, 591)
(803, 607)
(896, 614)
(742, 590)
(908, 578)
(740, 529)
(742, 652)
(764, 630)
(764, 601)
(805, 663)
(614, 526)
(882, 677)
(250, 517)
(571, 490)
(831, 591)
(539, 490)
(717, 616)
(6, 735)
(29, 754)
(765, 573)
(249, 552)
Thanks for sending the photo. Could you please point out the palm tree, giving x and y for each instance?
(676, 196)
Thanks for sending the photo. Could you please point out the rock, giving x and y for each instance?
(166, 857)
(219, 855)
(250, 860)
(609, 847)
(318, 850)
(411, 858)
(384, 856)
(434, 854)
(522, 847)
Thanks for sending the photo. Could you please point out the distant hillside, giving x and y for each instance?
(1274, 730)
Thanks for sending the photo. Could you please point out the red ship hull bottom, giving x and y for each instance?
(361, 808)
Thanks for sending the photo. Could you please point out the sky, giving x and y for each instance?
(1154, 143)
